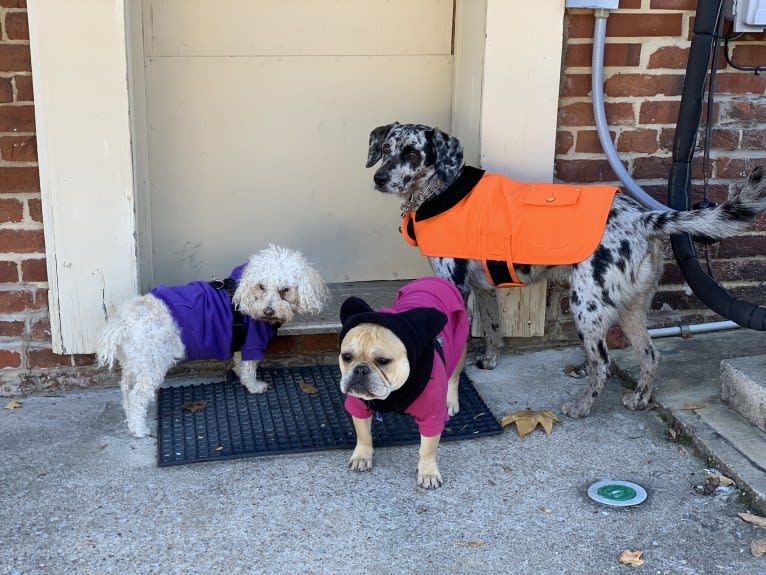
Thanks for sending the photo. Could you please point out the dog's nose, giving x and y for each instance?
(380, 178)
(362, 370)
(268, 311)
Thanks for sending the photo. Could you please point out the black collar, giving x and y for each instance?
(459, 189)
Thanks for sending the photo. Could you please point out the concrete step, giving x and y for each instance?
(743, 387)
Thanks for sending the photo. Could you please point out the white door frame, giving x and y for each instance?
(505, 111)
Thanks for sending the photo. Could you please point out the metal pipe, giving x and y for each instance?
(685, 330)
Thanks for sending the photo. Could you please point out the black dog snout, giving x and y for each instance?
(268, 311)
(380, 178)
(362, 370)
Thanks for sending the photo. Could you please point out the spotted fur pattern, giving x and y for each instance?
(614, 285)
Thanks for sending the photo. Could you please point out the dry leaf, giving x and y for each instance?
(754, 519)
(545, 510)
(194, 405)
(219, 448)
(506, 468)
(693, 406)
(308, 388)
(527, 420)
(758, 547)
(13, 405)
(470, 543)
(628, 557)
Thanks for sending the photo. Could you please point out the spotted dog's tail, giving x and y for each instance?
(723, 221)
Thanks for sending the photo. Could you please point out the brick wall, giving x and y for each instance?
(645, 59)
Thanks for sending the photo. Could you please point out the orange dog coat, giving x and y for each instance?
(501, 222)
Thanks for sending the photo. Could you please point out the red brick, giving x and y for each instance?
(738, 168)
(749, 54)
(723, 139)
(746, 110)
(35, 210)
(564, 142)
(45, 358)
(6, 90)
(9, 358)
(41, 330)
(17, 118)
(575, 85)
(580, 25)
(15, 58)
(667, 135)
(11, 211)
(643, 85)
(11, 328)
(9, 272)
(627, 4)
(738, 83)
(669, 57)
(34, 271)
(643, 141)
(581, 114)
(16, 26)
(16, 301)
(588, 142)
(673, 5)
(664, 112)
(754, 139)
(22, 241)
(651, 167)
(21, 179)
(617, 54)
(630, 24)
(745, 246)
(576, 171)
(13, 3)
(85, 359)
(18, 148)
(24, 92)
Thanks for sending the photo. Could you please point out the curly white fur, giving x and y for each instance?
(144, 338)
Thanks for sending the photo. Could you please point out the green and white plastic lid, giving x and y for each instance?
(617, 493)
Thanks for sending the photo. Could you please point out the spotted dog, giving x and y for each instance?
(613, 285)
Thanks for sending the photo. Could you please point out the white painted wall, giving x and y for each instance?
(86, 174)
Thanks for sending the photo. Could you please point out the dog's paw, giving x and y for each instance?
(256, 386)
(139, 432)
(576, 409)
(634, 401)
(361, 460)
(487, 361)
(453, 407)
(429, 476)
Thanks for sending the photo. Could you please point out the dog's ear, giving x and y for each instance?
(446, 154)
(376, 143)
(428, 322)
(353, 306)
(312, 291)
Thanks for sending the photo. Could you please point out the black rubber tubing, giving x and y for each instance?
(704, 287)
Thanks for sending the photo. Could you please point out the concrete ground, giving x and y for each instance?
(79, 496)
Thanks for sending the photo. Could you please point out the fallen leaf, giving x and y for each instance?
(758, 547)
(194, 405)
(308, 388)
(693, 406)
(527, 420)
(506, 468)
(13, 405)
(470, 543)
(754, 519)
(545, 510)
(628, 557)
(219, 448)
(710, 484)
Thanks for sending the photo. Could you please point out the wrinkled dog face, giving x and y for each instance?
(413, 156)
(373, 362)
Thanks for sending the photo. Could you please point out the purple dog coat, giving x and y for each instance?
(204, 316)
(430, 407)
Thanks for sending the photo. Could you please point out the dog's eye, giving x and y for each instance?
(346, 357)
(383, 361)
(386, 149)
(413, 155)
(260, 287)
(284, 290)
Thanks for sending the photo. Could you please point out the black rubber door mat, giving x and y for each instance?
(302, 411)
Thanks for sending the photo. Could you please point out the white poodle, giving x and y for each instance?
(207, 320)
